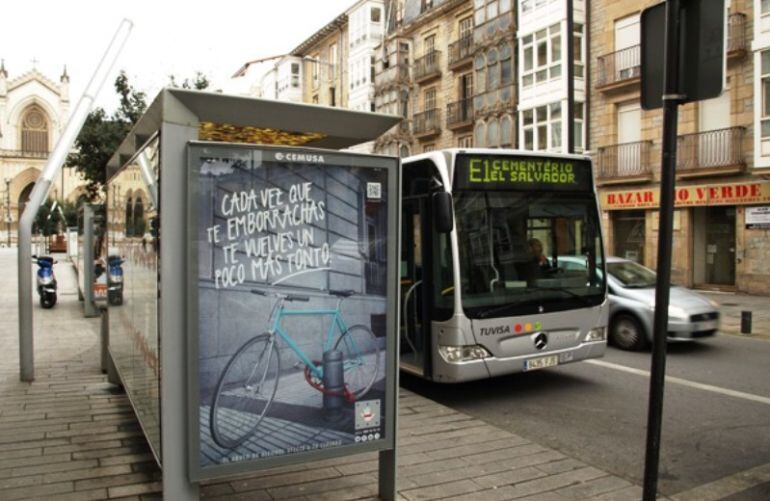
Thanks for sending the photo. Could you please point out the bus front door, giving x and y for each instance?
(415, 326)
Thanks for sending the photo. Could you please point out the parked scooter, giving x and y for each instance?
(46, 281)
(115, 280)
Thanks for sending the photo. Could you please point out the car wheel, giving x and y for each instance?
(627, 333)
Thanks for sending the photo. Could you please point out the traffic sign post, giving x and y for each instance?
(688, 66)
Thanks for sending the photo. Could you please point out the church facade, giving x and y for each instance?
(33, 112)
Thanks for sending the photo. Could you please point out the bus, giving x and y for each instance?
(502, 263)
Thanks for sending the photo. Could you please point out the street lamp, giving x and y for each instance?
(8, 209)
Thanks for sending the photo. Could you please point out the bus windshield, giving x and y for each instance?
(524, 252)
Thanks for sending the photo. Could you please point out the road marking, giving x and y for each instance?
(726, 486)
(684, 382)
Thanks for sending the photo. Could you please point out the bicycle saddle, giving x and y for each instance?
(342, 293)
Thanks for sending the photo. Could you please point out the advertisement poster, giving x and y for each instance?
(291, 252)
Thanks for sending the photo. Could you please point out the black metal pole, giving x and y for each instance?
(570, 77)
(662, 288)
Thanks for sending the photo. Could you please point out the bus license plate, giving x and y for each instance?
(541, 363)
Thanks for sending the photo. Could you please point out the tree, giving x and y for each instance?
(200, 82)
(46, 220)
(102, 134)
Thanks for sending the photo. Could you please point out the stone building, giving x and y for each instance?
(720, 240)
(332, 67)
(33, 112)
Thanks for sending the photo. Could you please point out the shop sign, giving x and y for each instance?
(689, 196)
(758, 217)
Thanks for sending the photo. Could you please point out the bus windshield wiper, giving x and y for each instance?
(577, 296)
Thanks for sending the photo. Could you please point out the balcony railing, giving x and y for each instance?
(461, 52)
(714, 149)
(621, 162)
(428, 66)
(736, 34)
(619, 66)
(23, 154)
(459, 114)
(427, 123)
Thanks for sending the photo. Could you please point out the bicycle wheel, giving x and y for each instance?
(361, 356)
(245, 391)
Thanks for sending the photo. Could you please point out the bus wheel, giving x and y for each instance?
(627, 333)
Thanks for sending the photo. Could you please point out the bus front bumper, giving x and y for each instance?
(492, 366)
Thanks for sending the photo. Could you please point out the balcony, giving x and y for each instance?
(459, 114)
(41, 155)
(619, 69)
(392, 77)
(624, 163)
(494, 101)
(427, 67)
(713, 152)
(427, 123)
(461, 53)
(736, 36)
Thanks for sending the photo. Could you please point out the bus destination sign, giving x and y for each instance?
(515, 172)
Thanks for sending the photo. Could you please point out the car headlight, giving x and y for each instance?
(46, 279)
(596, 334)
(714, 304)
(456, 354)
(676, 311)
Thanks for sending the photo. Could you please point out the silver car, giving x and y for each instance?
(631, 289)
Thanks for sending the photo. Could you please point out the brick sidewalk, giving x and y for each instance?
(70, 435)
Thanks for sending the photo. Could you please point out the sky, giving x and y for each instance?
(169, 37)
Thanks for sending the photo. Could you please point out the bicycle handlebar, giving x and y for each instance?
(287, 297)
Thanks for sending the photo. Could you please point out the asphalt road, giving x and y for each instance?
(716, 411)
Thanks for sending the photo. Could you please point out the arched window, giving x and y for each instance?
(493, 133)
(129, 226)
(479, 65)
(34, 130)
(138, 218)
(493, 70)
(404, 151)
(506, 132)
(480, 133)
(506, 71)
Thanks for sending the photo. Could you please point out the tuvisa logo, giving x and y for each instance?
(300, 157)
(494, 331)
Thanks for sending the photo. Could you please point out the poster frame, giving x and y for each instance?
(196, 473)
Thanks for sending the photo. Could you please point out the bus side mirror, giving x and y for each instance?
(443, 211)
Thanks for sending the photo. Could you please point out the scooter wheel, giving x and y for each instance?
(48, 301)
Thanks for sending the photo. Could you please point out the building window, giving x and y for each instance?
(465, 141)
(542, 127)
(579, 51)
(466, 27)
(429, 99)
(493, 70)
(376, 14)
(506, 132)
(34, 131)
(403, 151)
(506, 72)
(541, 56)
(425, 5)
(579, 144)
(486, 10)
(479, 134)
(295, 74)
(479, 65)
(765, 125)
(429, 147)
(493, 133)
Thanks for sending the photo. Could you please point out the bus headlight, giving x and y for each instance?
(456, 354)
(596, 334)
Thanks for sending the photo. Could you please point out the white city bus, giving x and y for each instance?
(485, 286)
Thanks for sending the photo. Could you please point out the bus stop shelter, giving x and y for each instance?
(204, 183)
